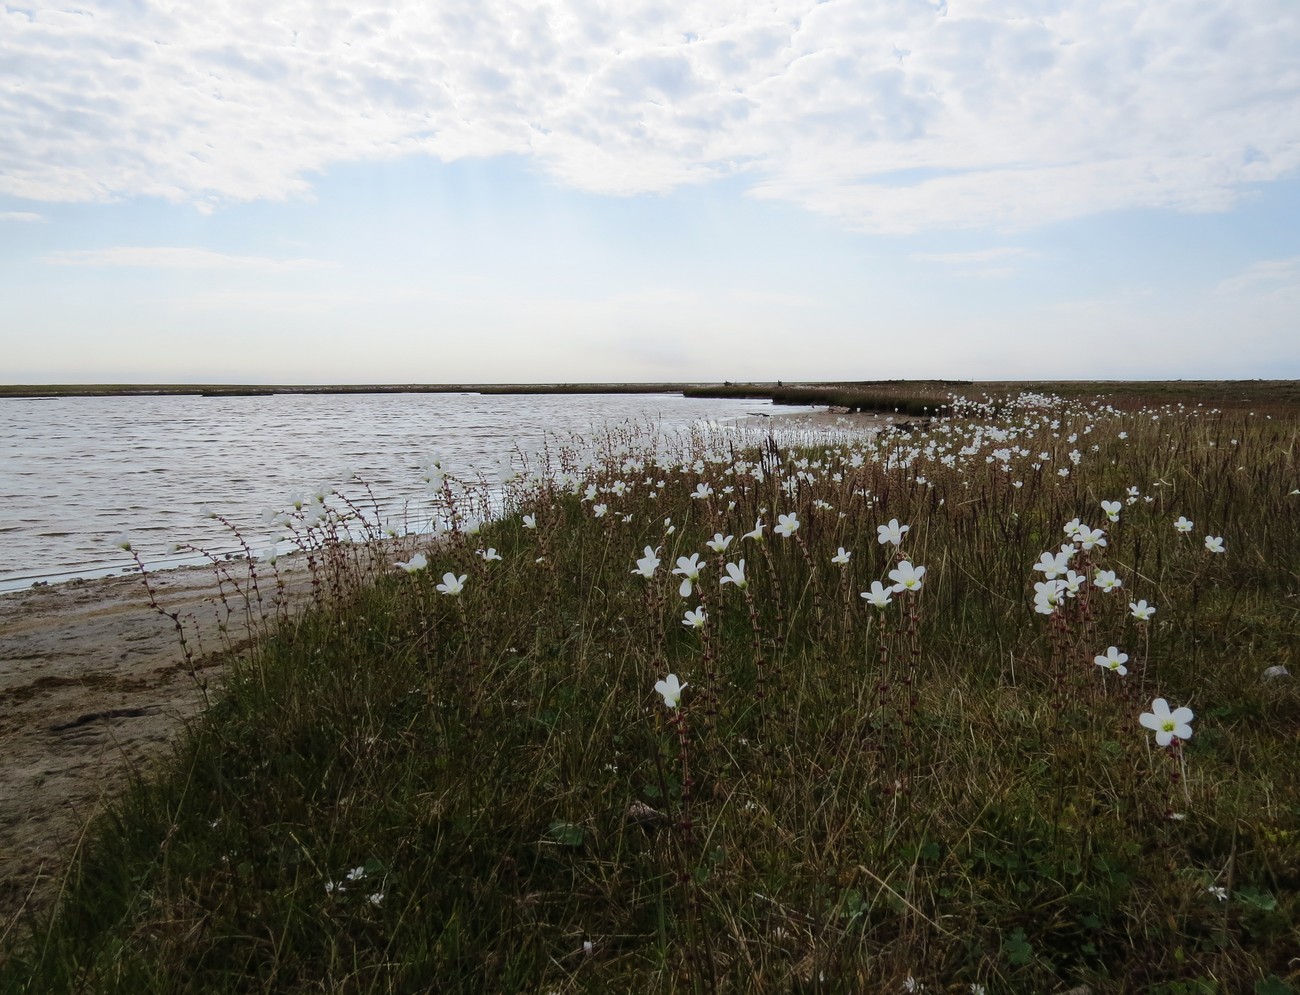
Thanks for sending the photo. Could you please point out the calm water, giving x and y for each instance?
(76, 472)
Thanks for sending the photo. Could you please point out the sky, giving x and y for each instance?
(460, 191)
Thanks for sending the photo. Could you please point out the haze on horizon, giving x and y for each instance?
(494, 191)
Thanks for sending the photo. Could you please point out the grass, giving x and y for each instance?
(400, 790)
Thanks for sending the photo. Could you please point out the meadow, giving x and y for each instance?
(999, 702)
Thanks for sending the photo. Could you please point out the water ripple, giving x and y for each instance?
(80, 470)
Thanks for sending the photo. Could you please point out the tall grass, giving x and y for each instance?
(405, 790)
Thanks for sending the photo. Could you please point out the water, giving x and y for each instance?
(76, 472)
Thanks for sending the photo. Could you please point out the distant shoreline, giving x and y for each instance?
(757, 389)
(261, 390)
(911, 397)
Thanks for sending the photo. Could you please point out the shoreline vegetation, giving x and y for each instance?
(1001, 700)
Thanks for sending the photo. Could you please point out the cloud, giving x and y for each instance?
(964, 258)
(29, 216)
(175, 257)
(1269, 281)
(887, 116)
(1268, 272)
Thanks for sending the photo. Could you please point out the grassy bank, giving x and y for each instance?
(407, 789)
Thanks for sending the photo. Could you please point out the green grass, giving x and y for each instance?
(950, 789)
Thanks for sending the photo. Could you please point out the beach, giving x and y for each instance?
(95, 687)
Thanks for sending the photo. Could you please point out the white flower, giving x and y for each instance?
(670, 689)
(1047, 596)
(1114, 660)
(694, 619)
(599, 510)
(1141, 611)
(842, 557)
(719, 542)
(879, 595)
(1214, 544)
(1107, 581)
(756, 532)
(1166, 724)
(907, 577)
(689, 571)
(702, 490)
(490, 554)
(1112, 509)
(356, 874)
(648, 564)
(1072, 527)
(891, 533)
(451, 584)
(122, 542)
(417, 562)
(376, 899)
(787, 525)
(735, 575)
(1051, 565)
(1088, 538)
(1183, 524)
(530, 521)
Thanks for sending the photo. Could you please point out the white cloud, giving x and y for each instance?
(889, 116)
(964, 258)
(175, 257)
(27, 216)
(1268, 279)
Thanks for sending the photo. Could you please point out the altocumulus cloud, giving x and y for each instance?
(889, 116)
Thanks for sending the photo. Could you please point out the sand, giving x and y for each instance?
(94, 687)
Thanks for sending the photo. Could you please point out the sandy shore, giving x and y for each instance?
(95, 685)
